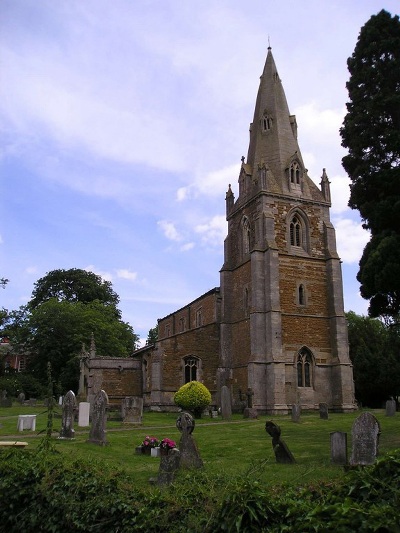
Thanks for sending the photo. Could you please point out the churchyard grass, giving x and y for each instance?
(228, 448)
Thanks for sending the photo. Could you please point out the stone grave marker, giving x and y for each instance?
(226, 404)
(323, 411)
(83, 414)
(391, 407)
(21, 398)
(249, 411)
(296, 412)
(68, 415)
(189, 453)
(365, 436)
(169, 464)
(5, 402)
(132, 410)
(97, 433)
(339, 448)
(282, 452)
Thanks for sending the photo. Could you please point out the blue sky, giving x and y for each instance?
(123, 122)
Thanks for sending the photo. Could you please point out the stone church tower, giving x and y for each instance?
(283, 332)
(275, 329)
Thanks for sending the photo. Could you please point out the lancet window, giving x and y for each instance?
(304, 368)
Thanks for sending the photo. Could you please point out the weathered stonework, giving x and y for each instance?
(276, 324)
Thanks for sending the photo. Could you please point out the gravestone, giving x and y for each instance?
(390, 407)
(189, 453)
(282, 452)
(26, 422)
(83, 414)
(97, 433)
(296, 412)
(365, 436)
(169, 464)
(68, 414)
(249, 411)
(226, 405)
(21, 398)
(339, 448)
(5, 402)
(132, 410)
(323, 411)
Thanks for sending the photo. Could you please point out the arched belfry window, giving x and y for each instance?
(296, 231)
(191, 369)
(246, 235)
(266, 122)
(295, 173)
(304, 368)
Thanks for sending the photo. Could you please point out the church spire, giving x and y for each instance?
(273, 132)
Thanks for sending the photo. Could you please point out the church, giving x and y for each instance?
(275, 328)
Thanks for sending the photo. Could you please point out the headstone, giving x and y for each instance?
(132, 410)
(323, 411)
(83, 414)
(21, 398)
(365, 436)
(26, 422)
(282, 452)
(296, 412)
(5, 402)
(226, 404)
(68, 414)
(189, 453)
(390, 407)
(339, 448)
(61, 400)
(169, 464)
(97, 433)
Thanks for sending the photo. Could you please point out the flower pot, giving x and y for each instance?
(146, 450)
(155, 452)
(164, 451)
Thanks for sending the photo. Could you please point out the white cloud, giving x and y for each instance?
(214, 183)
(186, 247)
(340, 193)
(31, 270)
(107, 276)
(214, 231)
(169, 230)
(351, 240)
(127, 274)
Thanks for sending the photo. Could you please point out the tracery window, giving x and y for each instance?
(266, 122)
(304, 368)
(191, 366)
(296, 231)
(294, 173)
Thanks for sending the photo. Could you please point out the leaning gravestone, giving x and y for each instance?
(390, 407)
(365, 436)
(339, 448)
(68, 414)
(323, 411)
(282, 452)
(97, 433)
(132, 410)
(226, 405)
(296, 412)
(189, 453)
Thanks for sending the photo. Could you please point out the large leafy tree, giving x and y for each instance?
(371, 133)
(73, 285)
(374, 352)
(66, 308)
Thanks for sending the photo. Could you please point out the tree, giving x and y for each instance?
(55, 332)
(152, 336)
(371, 132)
(73, 285)
(374, 351)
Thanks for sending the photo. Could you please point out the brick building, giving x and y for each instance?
(276, 324)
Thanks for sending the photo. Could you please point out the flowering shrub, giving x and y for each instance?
(167, 444)
(150, 442)
(194, 397)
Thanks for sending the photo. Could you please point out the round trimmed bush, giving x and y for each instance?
(194, 397)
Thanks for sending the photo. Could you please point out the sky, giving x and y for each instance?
(122, 123)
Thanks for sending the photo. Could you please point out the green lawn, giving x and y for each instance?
(234, 448)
